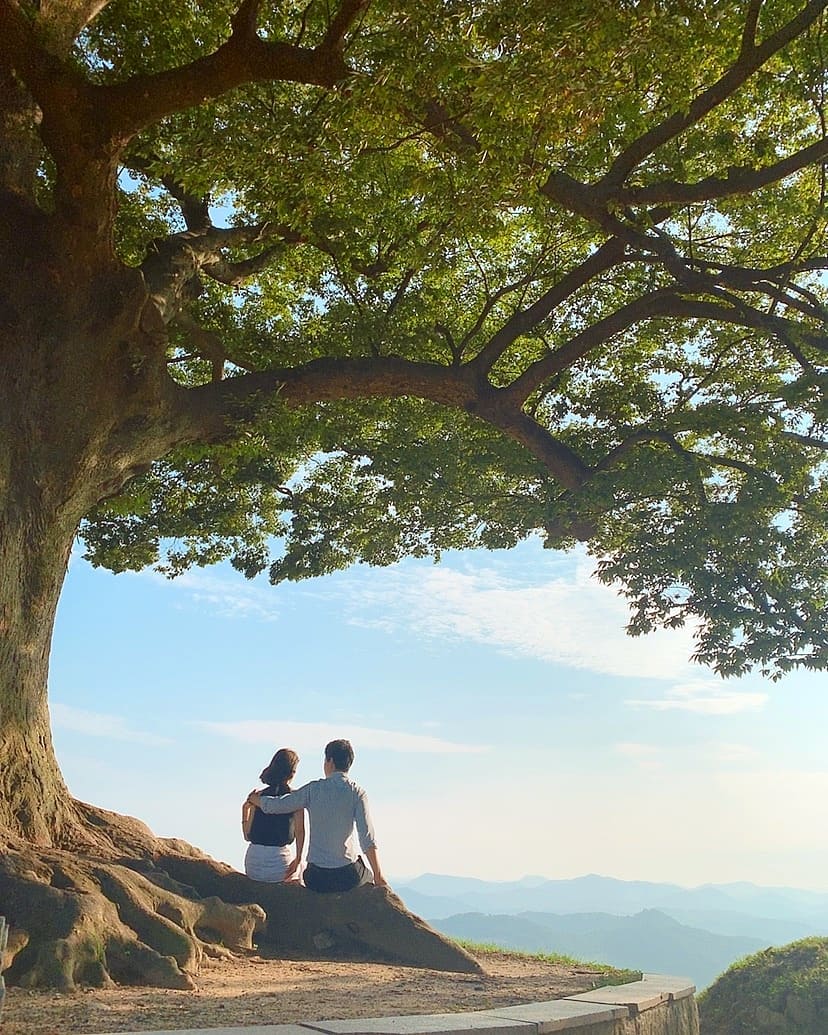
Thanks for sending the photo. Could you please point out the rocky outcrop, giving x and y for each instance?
(136, 909)
(367, 923)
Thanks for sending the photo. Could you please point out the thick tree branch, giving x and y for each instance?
(205, 241)
(604, 258)
(662, 303)
(234, 273)
(775, 283)
(639, 436)
(740, 180)
(245, 21)
(214, 411)
(244, 58)
(634, 438)
(144, 100)
(807, 440)
(86, 125)
(586, 201)
(342, 22)
(717, 460)
(747, 277)
(743, 315)
(194, 209)
(691, 275)
(48, 78)
(208, 345)
(400, 291)
(60, 21)
(658, 303)
(437, 121)
(573, 195)
(173, 264)
(749, 31)
(749, 61)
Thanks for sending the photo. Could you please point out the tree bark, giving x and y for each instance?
(78, 407)
(34, 551)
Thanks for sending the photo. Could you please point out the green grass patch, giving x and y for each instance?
(609, 975)
(783, 989)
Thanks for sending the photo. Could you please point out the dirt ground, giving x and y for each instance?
(252, 990)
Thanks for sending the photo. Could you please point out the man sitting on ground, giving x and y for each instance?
(335, 805)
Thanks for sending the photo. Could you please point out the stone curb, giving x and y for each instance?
(600, 1006)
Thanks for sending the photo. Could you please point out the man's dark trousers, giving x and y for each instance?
(339, 878)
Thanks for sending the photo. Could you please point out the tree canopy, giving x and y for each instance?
(304, 284)
(454, 273)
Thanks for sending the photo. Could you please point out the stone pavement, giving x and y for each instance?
(602, 1010)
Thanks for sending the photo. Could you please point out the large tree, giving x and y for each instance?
(375, 279)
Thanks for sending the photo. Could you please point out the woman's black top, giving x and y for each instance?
(272, 830)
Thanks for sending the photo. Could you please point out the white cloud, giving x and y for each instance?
(686, 757)
(232, 596)
(564, 617)
(312, 736)
(548, 607)
(100, 724)
(704, 697)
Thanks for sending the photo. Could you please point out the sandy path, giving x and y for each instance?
(252, 990)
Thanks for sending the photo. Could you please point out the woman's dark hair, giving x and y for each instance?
(281, 769)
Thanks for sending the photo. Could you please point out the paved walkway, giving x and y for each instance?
(600, 1006)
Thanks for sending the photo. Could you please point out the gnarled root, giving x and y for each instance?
(367, 923)
(78, 921)
(125, 906)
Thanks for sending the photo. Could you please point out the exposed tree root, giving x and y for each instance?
(144, 910)
(83, 921)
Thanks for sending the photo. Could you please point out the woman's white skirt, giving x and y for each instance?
(268, 862)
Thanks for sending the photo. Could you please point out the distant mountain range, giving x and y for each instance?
(692, 932)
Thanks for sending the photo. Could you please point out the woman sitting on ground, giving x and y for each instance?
(269, 855)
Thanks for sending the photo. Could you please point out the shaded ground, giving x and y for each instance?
(251, 990)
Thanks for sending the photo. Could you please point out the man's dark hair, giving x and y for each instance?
(341, 754)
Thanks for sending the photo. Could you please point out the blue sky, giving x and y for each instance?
(503, 722)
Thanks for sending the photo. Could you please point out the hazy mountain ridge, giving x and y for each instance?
(442, 896)
(649, 941)
(694, 932)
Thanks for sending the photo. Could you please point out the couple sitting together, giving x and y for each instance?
(273, 818)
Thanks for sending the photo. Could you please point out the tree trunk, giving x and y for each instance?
(58, 405)
(85, 401)
(34, 551)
